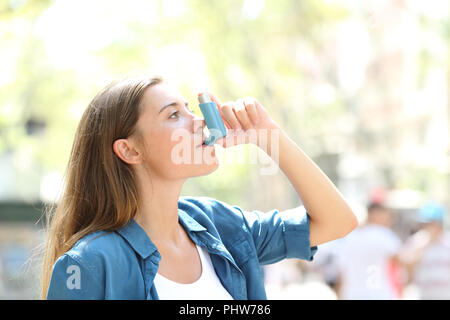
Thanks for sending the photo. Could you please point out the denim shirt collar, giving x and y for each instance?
(138, 239)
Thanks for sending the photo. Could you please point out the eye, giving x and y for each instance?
(173, 113)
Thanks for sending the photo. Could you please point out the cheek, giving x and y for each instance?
(157, 146)
(187, 161)
(160, 149)
(177, 157)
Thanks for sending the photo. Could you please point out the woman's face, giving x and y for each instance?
(171, 136)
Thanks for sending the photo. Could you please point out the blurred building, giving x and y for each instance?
(396, 75)
(20, 259)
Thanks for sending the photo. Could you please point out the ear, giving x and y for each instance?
(126, 151)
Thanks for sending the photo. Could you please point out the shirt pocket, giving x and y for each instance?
(241, 251)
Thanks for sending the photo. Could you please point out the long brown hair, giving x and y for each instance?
(100, 191)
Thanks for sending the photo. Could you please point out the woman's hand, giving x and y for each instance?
(330, 215)
(247, 121)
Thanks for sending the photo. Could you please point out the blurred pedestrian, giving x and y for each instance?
(367, 259)
(427, 255)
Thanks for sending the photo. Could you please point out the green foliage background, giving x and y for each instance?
(281, 55)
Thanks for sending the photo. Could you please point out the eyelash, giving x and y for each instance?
(177, 112)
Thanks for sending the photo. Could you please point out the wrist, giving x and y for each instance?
(268, 137)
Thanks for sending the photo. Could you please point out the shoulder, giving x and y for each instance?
(213, 209)
(207, 205)
(215, 214)
(390, 235)
(385, 239)
(80, 272)
(380, 231)
(99, 249)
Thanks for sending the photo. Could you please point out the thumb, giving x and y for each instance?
(222, 142)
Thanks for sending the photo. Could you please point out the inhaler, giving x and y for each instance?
(212, 118)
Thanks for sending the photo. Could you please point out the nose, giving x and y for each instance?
(198, 124)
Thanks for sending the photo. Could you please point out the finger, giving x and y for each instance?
(222, 142)
(228, 141)
(230, 116)
(219, 106)
(232, 138)
(241, 114)
(251, 110)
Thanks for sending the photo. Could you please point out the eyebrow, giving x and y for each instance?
(170, 105)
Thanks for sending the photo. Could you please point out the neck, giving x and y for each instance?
(158, 209)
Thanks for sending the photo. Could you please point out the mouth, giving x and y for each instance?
(203, 145)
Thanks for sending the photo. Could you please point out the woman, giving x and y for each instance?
(121, 231)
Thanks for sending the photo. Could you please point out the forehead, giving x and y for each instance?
(157, 96)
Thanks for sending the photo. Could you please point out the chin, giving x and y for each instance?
(199, 162)
(204, 169)
(190, 171)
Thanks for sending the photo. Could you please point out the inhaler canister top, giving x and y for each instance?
(203, 98)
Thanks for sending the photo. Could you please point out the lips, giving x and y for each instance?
(200, 135)
(202, 143)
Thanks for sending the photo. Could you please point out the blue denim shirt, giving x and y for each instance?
(122, 264)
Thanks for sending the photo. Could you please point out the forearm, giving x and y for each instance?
(325, 205)
(330, 216)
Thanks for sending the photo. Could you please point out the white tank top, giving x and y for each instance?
(207, 287)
